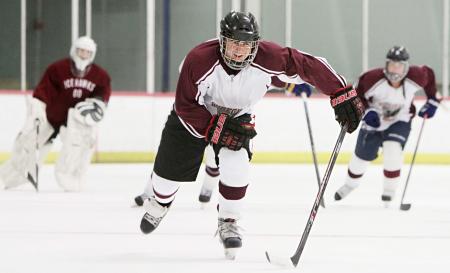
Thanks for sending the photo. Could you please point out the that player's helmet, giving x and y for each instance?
(397, 54)
(240, 33)
(85, 43)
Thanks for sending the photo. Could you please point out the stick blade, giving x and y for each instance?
(405, 206)
(279, 261)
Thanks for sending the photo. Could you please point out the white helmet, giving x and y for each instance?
(85, 43)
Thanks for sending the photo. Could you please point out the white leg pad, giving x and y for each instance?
(78, 145)
(23, 157)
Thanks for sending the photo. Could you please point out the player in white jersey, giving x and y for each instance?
(211, 176)
(220, 82)
(388, 95)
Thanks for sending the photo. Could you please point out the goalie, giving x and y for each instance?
(70, 101)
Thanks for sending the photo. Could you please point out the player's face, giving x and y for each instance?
(237, 51)
(83, 53)
(398, 68)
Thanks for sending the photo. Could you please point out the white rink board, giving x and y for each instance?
(134, 124)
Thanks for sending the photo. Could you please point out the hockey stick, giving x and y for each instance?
(407, 206)
(311, 140)
(35, 181)
(293, 261)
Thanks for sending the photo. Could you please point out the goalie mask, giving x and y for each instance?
(397, 65)
(83, 52)
(239, 39)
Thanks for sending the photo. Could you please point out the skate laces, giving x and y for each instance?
(154, 212)
(228, 228)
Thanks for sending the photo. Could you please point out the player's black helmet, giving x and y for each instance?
(240, 30)
(397, 54)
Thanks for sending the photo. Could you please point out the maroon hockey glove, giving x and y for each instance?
(233, 133)
(348, 107)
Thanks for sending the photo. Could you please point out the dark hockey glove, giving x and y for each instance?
(372, 119)
(298, 89)
(429, 108)
(233, 133)
(348, 107)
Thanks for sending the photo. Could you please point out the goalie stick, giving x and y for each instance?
(293, 261)
(35, 181)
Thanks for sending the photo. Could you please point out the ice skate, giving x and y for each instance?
(342, 192)
(139, 200)
(155, 212)
(230, 237)
(204, 196)
(387, 198)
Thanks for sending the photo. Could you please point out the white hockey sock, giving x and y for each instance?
(164, 189)
(211, 179)
(356, 168)
(393, 157)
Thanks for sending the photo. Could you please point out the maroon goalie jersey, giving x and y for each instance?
(60, 90)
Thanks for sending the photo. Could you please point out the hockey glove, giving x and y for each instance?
(348, 107)
(90, 111)
(372, 119)
(233, 133)
(429, 108)
(298, 89)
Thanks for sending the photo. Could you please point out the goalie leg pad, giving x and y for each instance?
(14, 172)
(78, 145)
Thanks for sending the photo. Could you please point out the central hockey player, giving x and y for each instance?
(220, 82)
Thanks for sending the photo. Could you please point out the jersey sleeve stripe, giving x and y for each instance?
(327, 65)
(268, 71)
(208, 73)
(190, 129)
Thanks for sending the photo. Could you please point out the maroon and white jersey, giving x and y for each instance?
(60, 90)
(207, 86)
(394, 104)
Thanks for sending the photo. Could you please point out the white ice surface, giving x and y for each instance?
(98, 230)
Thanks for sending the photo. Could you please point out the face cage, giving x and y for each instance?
(394, 77)
(235, 64)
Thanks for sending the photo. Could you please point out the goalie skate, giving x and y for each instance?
(230, 237)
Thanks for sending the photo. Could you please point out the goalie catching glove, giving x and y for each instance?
(233, 133)
(90, 111)
(348, 107)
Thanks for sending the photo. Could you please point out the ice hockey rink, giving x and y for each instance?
(97, 230)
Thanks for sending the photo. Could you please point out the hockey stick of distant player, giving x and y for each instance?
(35, 181)
(311, 140)
(293, 261)
(407, 206)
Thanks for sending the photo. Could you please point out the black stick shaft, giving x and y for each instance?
(413, 159)
(311, 140)
(296, 257)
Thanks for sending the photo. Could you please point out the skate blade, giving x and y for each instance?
(230, 253)
(387, 204)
